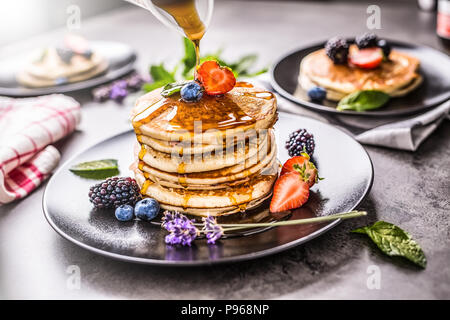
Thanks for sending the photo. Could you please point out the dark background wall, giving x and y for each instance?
(24, 18)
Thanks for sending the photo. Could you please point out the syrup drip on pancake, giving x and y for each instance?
(211, 112)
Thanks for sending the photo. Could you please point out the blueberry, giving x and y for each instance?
(124, 212)
(385, 47)
(317, 93)
(191, 91)
(147, 209)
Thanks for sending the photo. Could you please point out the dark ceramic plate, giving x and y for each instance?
(434, 66)
(69, 212)
(119, 56)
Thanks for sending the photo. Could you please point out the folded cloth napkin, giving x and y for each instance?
(403, 134)
(406, 134)
(27, 128)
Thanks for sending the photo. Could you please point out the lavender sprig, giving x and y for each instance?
(183, 231)
(212, 229)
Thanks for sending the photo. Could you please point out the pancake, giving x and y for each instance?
(171, 119)
(191, 147)
(28, 80)
(215, 179)
(187, 163)
(204, 212)
(398, 76)
(233, 198)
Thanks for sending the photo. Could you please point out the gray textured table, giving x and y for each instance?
(410, 189)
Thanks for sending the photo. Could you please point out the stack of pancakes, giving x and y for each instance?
(396, 76)
(215, 156)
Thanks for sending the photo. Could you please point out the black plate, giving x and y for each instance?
(434, 67)
(120, 57)
(69, 212)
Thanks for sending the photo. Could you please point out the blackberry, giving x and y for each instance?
(65, 54)
(300, 141)
(385, 47)
(367, 40)
(114, 192)
(337, 50)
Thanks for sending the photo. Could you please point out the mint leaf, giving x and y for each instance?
(189, 57)
(98, 169)
(244, 64)
(159, 74)
(147, 87)
(363, 100)
(393, 241)
(172, 88)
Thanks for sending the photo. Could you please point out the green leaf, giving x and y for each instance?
(244, 64)
(393, 241)
(159, 74)
(172, 88)
(147, 87)
(98, 169)
(363, 100)
(189, 56)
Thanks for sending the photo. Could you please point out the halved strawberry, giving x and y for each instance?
(302, 166)
(290, 192)
(215, 79)
(367, 58)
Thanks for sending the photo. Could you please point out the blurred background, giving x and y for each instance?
(25, 18)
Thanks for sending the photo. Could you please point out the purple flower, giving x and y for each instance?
(212, 229)
(122, 84)
(118, 93)
(134, 82)
(182, 230)
(101, 94)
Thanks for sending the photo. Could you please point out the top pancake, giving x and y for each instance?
(391, 76)
(205, 121)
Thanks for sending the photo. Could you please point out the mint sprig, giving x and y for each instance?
(394, 241)
(184, 70)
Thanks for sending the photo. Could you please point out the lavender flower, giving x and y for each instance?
(182, 230)
(101, 93)
(118, 92)
(134, 82)
(212, 229)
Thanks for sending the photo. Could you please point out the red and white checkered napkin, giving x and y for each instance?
(27, 128)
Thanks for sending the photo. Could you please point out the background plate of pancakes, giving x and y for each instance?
(117, 59)
(433, 90)
(342, 161)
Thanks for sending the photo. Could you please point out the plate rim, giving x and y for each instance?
(88, 83)
(321, 108)
(186, 263)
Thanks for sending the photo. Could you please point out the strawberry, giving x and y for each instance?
(290, 192)
(302, 165)
(214, 78)
(368, 58)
